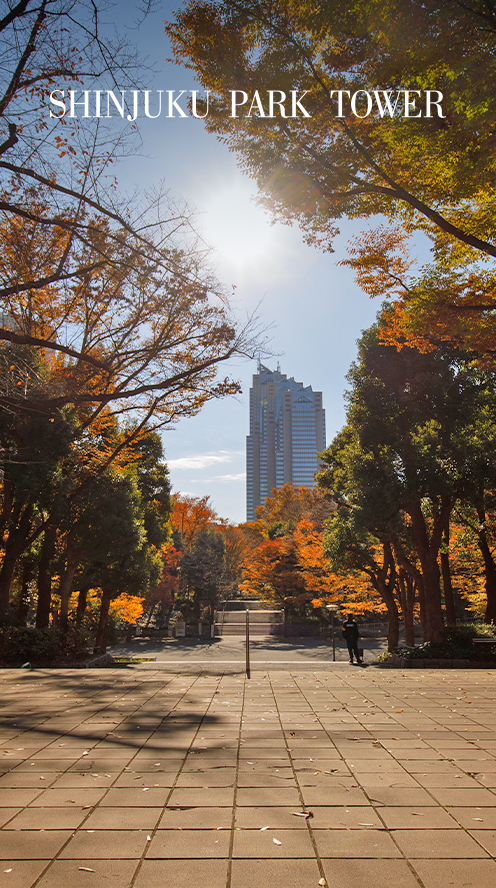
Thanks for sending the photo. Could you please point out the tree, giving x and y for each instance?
(106, 310)
(343, 155)
(55, 502)
(142, 335)
(412, 419)
(274, 574)
(159, 599)
(33, 445)
(352, 547)
(45, 45)
(236, 549)
(285, 564)
(109, 292)
(152, 480)
(355, 147)
(121, 561)
(202, 573)
(127, 607)
(448, 301)
(285, 508)
(190, 515)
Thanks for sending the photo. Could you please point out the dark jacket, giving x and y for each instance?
(350, 629)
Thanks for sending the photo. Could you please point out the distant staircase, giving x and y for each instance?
(231, 620)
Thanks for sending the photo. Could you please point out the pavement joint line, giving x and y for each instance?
(153, 832)
(235, 797)
(70, 732)
(80, 827)
(300, 794)
(60, 696)
(374, 805)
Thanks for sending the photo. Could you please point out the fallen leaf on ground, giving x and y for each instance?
(302, 813)
(86, 869)
(276, 842)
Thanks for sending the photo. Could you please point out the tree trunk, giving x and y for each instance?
(393, 636)
(435, 630)
(449, 600)
(45, 577)
(6, 574)
(101, 633)
(384, 582)
(81, 605)
(14, 548)
(427, 547)
(406, 585)
(414, 576)
(150, 615)
(23, 606)
(67, 578)
(489, 566)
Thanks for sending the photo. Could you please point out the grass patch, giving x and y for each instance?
(134, 659)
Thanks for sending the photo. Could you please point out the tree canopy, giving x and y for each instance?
(434, 171)
(418, 428)
(365, 144)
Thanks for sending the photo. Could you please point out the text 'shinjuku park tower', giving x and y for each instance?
(287, 431)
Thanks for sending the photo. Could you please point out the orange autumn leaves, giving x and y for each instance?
(286, 566)
(450, 302)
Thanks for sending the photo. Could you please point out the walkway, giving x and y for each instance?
(230, 652)
(345, 777)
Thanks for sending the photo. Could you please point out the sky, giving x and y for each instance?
(311, 306)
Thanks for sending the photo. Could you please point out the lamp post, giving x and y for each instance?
(333, 608)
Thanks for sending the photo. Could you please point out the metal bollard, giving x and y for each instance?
(247, 643)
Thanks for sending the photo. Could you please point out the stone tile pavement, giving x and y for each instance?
(144, 777)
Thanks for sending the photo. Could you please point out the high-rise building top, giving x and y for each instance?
(287, 431)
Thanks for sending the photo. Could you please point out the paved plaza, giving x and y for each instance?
(147, 776)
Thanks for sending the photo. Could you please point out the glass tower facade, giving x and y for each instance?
(287, 431)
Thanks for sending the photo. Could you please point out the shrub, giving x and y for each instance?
(456, 646)
(41, 647)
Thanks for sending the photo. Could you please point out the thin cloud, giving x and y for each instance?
(217, 479)
(201, 461)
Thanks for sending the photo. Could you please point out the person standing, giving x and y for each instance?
(351, 636)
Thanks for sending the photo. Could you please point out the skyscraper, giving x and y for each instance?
(287, 431)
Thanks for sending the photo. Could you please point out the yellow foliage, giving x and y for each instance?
(127, 607)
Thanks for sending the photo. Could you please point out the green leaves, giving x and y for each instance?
(314, 170)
